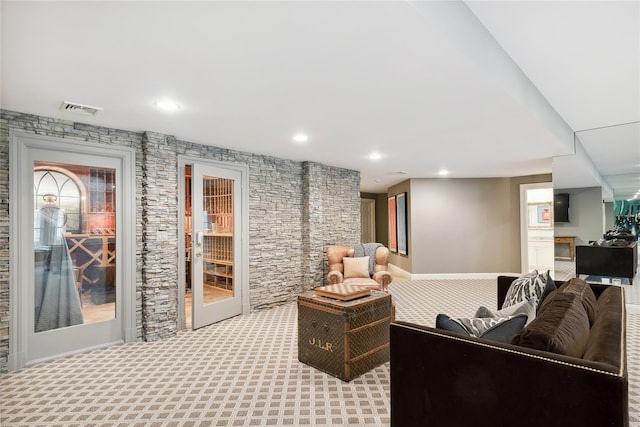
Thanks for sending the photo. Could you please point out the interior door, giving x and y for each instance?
(367, 220)
(217, 231)
(70, 271)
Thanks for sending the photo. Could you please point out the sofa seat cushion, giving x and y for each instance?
(585, 293)
(494, 329)
(533, 285)
(561, 326)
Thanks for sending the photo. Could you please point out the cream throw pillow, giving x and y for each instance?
(356, 267)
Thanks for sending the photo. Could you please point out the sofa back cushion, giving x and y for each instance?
(561, 326)
(335, 254)
(585, 294)
(607, 337)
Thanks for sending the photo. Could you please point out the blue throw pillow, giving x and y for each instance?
(501, 329)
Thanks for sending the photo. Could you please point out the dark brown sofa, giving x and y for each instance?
(441, 378)
(611, 258)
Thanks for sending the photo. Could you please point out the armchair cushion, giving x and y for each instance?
(356, 267)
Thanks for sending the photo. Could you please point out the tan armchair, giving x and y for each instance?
(355, 274)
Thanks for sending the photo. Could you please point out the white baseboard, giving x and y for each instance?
(445, 276)
(70, 353)
(399, 274)
(633, 309)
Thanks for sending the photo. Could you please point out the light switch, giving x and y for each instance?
(163, 235)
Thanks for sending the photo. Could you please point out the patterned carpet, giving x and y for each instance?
(241, 372)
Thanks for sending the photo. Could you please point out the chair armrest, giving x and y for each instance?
(334, 277)
(383, 278)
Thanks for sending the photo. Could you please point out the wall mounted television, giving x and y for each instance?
(561, 207)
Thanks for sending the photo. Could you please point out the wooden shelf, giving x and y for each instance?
(218, 261)
(217, 246)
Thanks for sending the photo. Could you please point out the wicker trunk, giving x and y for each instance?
(344, 338)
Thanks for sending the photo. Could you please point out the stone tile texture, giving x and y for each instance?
(296, 209)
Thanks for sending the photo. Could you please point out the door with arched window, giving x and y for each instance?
(74, 215)
(76, 247)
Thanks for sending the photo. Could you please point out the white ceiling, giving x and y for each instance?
(584, 57)
(425, 84)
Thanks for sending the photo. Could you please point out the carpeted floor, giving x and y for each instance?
(241, 372)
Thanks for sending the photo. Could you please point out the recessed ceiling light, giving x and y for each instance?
(300, 137)
(375, 156)
(443, 172)
(167, 105)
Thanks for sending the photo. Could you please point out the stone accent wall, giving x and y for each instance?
(332, 216)
(159, 256)
(274, 214)
(296, 210)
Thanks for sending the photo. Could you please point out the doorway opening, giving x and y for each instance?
(536, 225)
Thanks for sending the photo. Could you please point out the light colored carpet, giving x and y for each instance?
(241, 372)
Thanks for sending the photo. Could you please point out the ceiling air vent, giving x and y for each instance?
(80, 108)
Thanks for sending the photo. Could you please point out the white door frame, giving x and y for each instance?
(524, 233)
(21, 238)
(241, 272)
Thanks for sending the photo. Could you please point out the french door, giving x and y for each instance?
(71, 221)
(218, 282)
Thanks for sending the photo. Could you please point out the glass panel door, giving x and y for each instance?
(73, 252)
(74, 245)
(75, 298)
(215, 212)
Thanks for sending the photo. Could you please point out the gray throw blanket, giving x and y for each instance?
(367, 249)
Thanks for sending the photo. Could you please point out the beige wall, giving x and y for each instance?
(586, 215)
(463, 225)
(403, 261)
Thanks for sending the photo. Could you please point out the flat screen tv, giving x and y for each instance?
(561, 207)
